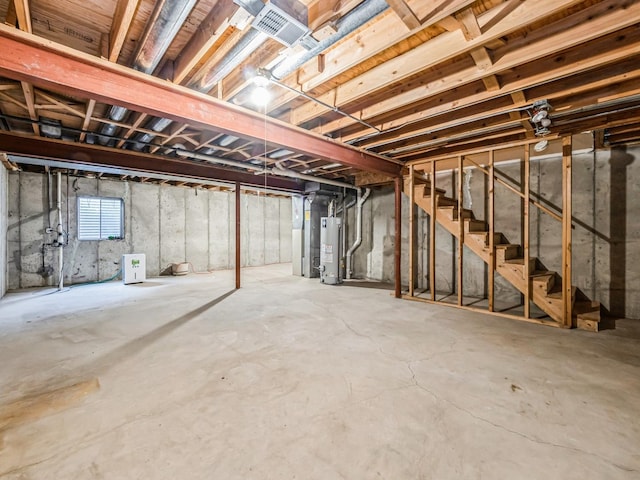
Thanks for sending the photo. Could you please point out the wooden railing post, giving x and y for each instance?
(432, 233)
(525, 233)
(492, 246)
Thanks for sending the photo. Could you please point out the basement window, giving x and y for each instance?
(100, 218)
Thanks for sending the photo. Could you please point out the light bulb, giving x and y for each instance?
(260, 96)
(545, 122)
(260, 81)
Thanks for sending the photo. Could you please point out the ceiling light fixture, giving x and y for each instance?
(541, 146)
(539, 116)
(260, 95)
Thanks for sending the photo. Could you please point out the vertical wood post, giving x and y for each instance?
(525, 233)
(412, 232)
(492, 246)
(398, 229)
(460, 229)
(567, 300)
(237, 235)
(432, 233)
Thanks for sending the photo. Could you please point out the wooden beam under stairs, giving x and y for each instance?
(544, 287)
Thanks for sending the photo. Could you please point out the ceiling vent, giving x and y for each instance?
(283, 20)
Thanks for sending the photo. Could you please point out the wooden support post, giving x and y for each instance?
(398, 232)
(567, 301)
(412, 232)
(432, 233)
(237, 235)
(460, 229)
(525, 233)
(492, 246)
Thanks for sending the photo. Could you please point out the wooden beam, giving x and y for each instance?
(612, 49)
(29, 97)
(91, 105)
(437, 11)
(224, 15)
(491, 222)
(448, 45)
(412, 231)
(46, 64)
(526, 230)
(460, 257)
(469, 24)
(125, 11)
(432, 233)
(567, 300)
(405, 13)
(83, 154)
(321, 12)
(23, 15)
(398, 237)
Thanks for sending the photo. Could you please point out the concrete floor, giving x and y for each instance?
(287, 378)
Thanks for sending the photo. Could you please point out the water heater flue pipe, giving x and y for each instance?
(361, 199)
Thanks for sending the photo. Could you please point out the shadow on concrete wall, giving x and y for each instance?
(619, 161)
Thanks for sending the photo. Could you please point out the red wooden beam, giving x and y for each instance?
(238, 256)
(95, 155)
(58, 68)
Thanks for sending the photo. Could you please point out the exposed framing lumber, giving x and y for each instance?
(433, 52)
(321, 12)
(47, 64)
(398, 237)
(91, 105)
(469, 24)
(84, 154)
(526, 229)
(412, 230)
(405, 13)
(125, 11)
(491, 221)
(23, 15)
(567, 300)
(460, 257)
(539, 321)
(29, 97)
(591, 24)
(432, 234)
(224, 15)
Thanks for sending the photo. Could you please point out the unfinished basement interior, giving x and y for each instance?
(319, 239)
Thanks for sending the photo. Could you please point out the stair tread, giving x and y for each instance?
(542, 273)
(595, 316)
(517, 260)
(506, 245)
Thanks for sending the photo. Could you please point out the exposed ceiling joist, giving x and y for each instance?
(125, 11)
(64, 70)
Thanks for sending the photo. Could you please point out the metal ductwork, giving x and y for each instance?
(346, 25)
(282, 20)
(165, 22)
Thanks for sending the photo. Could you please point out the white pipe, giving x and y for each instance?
(60, 232)
(358, 241)
(310, 178)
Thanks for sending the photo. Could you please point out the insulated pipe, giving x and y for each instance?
(204, 82)
(358, 241)
(346, 25)
(221, 161)
(310, 178)
(60, 232)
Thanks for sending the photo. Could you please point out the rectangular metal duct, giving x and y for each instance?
(283, 20)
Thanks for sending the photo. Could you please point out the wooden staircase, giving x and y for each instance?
(545, 286)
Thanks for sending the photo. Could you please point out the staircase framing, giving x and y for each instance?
(563, 310)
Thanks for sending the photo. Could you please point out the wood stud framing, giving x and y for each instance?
(567, 300)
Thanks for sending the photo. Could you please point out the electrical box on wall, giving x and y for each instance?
(134, 268)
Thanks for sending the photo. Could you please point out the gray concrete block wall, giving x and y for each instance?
(168, 224)
(606, 234)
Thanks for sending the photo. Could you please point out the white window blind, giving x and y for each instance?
(100, 218)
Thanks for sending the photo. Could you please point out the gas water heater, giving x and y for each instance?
(330, 250)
